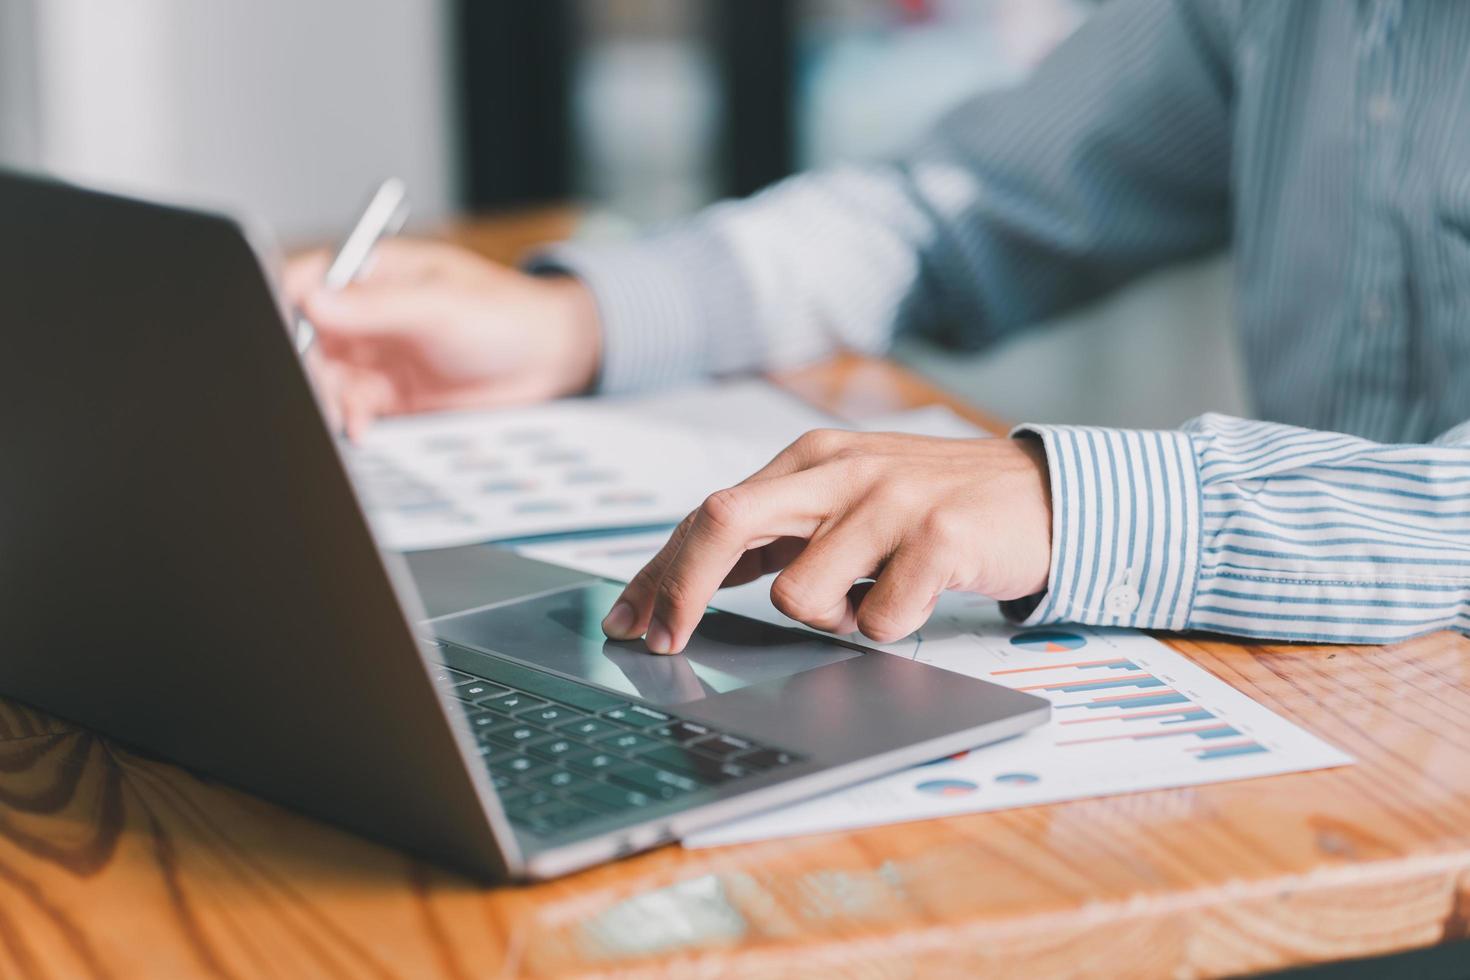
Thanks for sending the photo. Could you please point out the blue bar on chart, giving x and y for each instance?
(1226, 751)
(1208, 732)
(1149, 681)
(1195, 714)
(1141, 701)
(1213, 731)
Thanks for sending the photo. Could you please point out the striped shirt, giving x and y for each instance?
(1326, 141)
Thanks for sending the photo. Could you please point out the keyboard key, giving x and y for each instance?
(547, 714)
(513, 733)
(606, 797)
(481, 721)
(765, 759)
(473, 691)
(499, 718)
(554, 779)
(558, 816)
(514, 702)
(542, 686)
(624, 741)
(706, 769)
(682, 731)
(636, 715)
(525, 798)
(448, 676)
(584, 727)
(492, 752)
(522, 766)
(590, 761)
(658, 783)
(723, 745)
(551, 748)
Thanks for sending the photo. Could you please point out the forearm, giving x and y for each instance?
(1257, 530)
(818, 263)
(1019, 204)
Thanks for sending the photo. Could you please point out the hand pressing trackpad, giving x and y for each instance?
(562, 632)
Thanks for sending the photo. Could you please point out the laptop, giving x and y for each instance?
(185, 566)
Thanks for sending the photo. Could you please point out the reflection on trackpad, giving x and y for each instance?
(563, 632)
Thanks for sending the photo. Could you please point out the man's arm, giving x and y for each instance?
(1232, 526)
(1112, 159)
(1258, 530)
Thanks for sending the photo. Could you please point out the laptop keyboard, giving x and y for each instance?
(574, 753)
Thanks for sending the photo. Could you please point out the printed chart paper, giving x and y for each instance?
(445, 480)
(434, 481)
(1128, 714)
(455, 478)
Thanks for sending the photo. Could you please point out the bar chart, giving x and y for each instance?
(1128, 714)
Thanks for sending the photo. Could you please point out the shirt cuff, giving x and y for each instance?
(1125, 541)
(673, 307)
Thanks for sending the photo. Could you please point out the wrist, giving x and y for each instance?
(578, 332)
(1037, 487)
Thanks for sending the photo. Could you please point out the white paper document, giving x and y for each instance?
(1129, 714)
(435, 481)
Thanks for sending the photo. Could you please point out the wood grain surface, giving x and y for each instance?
(113, 864)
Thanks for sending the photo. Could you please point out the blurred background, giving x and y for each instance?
(637, 111)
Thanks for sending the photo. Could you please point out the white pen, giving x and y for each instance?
(383, 216)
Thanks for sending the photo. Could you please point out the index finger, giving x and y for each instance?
(630, 614)
(628, 618)
(728, 524)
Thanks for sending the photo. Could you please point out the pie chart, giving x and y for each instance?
(1048, 641)
(947, 787)
(1017, 778)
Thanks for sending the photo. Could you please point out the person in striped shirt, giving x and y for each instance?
(1326, 142)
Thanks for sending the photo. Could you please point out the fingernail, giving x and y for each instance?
(659, 639)
(619, 621)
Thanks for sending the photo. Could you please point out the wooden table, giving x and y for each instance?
(117, 865)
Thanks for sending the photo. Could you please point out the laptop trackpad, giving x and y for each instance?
(562, 632)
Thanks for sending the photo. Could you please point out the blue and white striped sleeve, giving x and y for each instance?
(1256, 529)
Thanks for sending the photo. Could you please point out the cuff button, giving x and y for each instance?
(1121, 600)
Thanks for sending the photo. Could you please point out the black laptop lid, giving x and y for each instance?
(183, 564)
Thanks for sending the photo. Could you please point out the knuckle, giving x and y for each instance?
(675, 592)
(821, 442)
(943, 526)
(723, 509)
